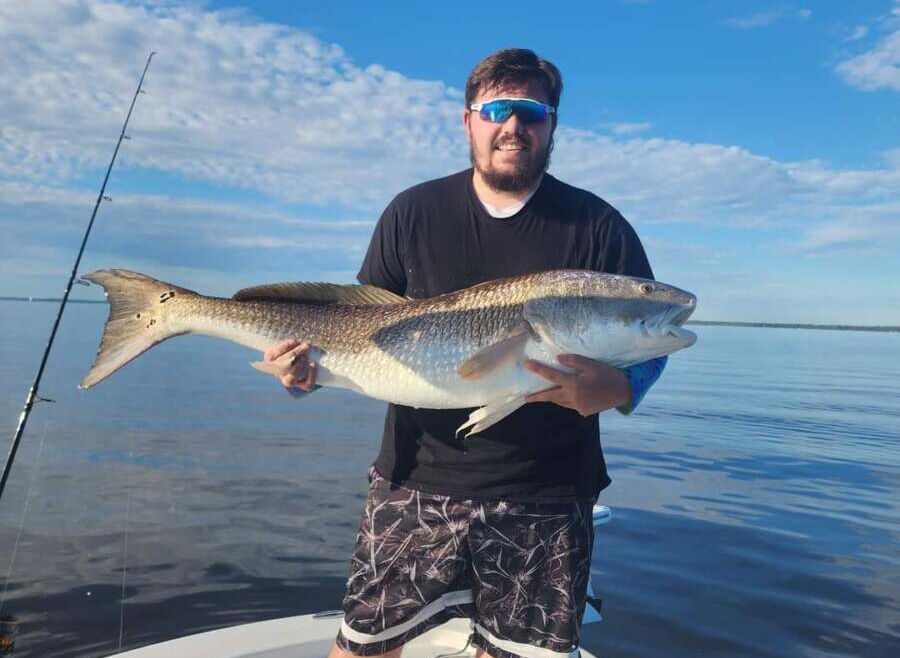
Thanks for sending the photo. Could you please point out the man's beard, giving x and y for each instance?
(522, 178)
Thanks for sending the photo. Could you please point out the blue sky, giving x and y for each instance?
(754, 146)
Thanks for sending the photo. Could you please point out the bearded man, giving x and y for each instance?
(497, 528)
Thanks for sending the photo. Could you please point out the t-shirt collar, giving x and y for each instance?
(507, 211)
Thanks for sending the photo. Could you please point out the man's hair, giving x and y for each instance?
(513, 66)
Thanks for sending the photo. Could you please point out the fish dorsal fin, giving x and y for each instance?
(318, 293)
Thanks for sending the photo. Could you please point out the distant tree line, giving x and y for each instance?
(779, 325)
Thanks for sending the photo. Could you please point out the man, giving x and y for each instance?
(496, 527)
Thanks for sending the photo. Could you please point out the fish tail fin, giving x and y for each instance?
(139, 317)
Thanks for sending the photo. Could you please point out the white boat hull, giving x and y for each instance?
(305, 636)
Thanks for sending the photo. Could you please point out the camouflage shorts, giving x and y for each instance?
(519, 570)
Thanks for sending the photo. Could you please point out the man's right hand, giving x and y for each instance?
(301, 373)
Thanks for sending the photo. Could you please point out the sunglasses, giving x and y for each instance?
(500, 109)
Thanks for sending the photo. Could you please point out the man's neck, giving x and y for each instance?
(499, 199)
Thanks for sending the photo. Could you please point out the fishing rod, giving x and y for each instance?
(33, 391)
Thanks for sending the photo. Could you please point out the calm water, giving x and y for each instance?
(755, 496)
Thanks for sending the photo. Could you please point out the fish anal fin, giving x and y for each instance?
(318, 293)
(286, 362)
(491, 413)
(495, 355)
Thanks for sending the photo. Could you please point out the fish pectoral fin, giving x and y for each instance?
(270, 367)
(491, 413)
(507, 349)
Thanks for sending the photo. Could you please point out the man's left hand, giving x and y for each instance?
(592, 388)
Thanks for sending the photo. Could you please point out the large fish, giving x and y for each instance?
(462, 349)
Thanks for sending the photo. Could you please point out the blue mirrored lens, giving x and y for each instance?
(500, 110)
(496, 111)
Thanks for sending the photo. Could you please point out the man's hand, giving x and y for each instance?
(301, 373)
(592, 388)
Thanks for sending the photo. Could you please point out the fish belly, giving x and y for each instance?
(431, 381)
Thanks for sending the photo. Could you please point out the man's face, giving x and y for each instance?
(510, 156)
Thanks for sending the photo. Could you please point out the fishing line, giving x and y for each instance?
(12, 557)
(32, 395)
(124, 563)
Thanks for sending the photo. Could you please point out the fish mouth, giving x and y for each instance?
(681, 315)
(668, 323)
(676, 315)
(682, 335)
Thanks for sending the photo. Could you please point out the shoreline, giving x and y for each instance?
(797, 325)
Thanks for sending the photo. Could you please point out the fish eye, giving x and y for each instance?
(646, 288)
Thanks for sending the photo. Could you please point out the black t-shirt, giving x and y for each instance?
(437, 237)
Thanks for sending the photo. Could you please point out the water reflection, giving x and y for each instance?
(697, 586)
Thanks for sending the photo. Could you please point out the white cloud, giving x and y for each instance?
(670, 180)
(859, 32)
(840, 234)
(156, 211)
(892, 157)
(234, 102)
(246, 104)
(219, 243)
(629, 128)
(858, 227)
(878, 67)
(767, 18)
(351, 243)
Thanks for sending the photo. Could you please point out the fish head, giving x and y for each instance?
(618, 319)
